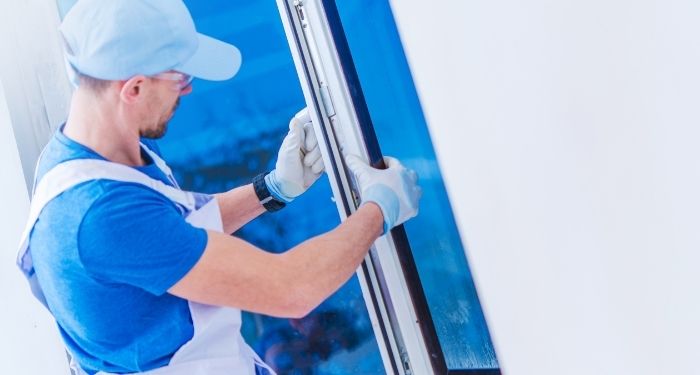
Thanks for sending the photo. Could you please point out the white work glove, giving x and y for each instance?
(395, 189)
(299, 163)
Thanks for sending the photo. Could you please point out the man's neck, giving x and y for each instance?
(100, 125)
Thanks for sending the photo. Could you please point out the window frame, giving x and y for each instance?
(389, 277)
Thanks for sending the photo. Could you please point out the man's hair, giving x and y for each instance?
(93, 84)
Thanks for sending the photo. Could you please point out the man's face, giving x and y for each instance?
(161, 125)
(163, 105)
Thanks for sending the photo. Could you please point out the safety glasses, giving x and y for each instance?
(183, 80)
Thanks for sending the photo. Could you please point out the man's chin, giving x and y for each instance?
(162, 128)
(155, 133)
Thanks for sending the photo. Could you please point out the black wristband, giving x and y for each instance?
(266, 199)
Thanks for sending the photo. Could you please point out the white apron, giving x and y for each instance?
(217, 347)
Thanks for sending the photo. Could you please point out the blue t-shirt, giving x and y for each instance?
(105, 254)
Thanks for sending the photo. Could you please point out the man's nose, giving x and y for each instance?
(186, 91)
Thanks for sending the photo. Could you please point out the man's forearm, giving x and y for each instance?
(238, 207)
(324, 263)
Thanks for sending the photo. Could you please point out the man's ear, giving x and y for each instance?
(132, 89)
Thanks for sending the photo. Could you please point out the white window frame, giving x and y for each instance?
(395, 300)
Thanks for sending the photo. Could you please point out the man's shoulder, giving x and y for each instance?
(113, 195)
(116, 210)
(105, 200)
(60, 149)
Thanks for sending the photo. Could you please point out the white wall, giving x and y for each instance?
(29, 340)
(568, 133)
(33, 73)
(34, 97)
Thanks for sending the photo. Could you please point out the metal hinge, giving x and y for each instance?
(327, 102)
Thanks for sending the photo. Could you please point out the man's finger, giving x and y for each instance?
(355, 164)
(312, 157)
(310, 137)
(318, 166)
(302, 116)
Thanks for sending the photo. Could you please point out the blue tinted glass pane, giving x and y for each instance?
(223, 134)
(402, 132)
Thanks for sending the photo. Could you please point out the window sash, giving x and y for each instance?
(393, 293)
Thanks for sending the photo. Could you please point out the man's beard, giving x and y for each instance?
(162, 128)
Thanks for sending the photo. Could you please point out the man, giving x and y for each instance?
(142, 276)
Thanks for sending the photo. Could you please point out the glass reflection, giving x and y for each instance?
(402, 132)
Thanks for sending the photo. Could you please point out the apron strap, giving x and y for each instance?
(72, 173)
(160, 163)
(36, 170)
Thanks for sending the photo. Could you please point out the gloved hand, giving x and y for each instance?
(395, 189)
(299, 163)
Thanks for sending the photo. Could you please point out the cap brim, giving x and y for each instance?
(213, 61)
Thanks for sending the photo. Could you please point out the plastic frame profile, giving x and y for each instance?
(389, 278)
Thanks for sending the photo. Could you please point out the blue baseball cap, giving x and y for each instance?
(118, 39)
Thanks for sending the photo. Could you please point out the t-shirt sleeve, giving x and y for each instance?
(136, 236)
